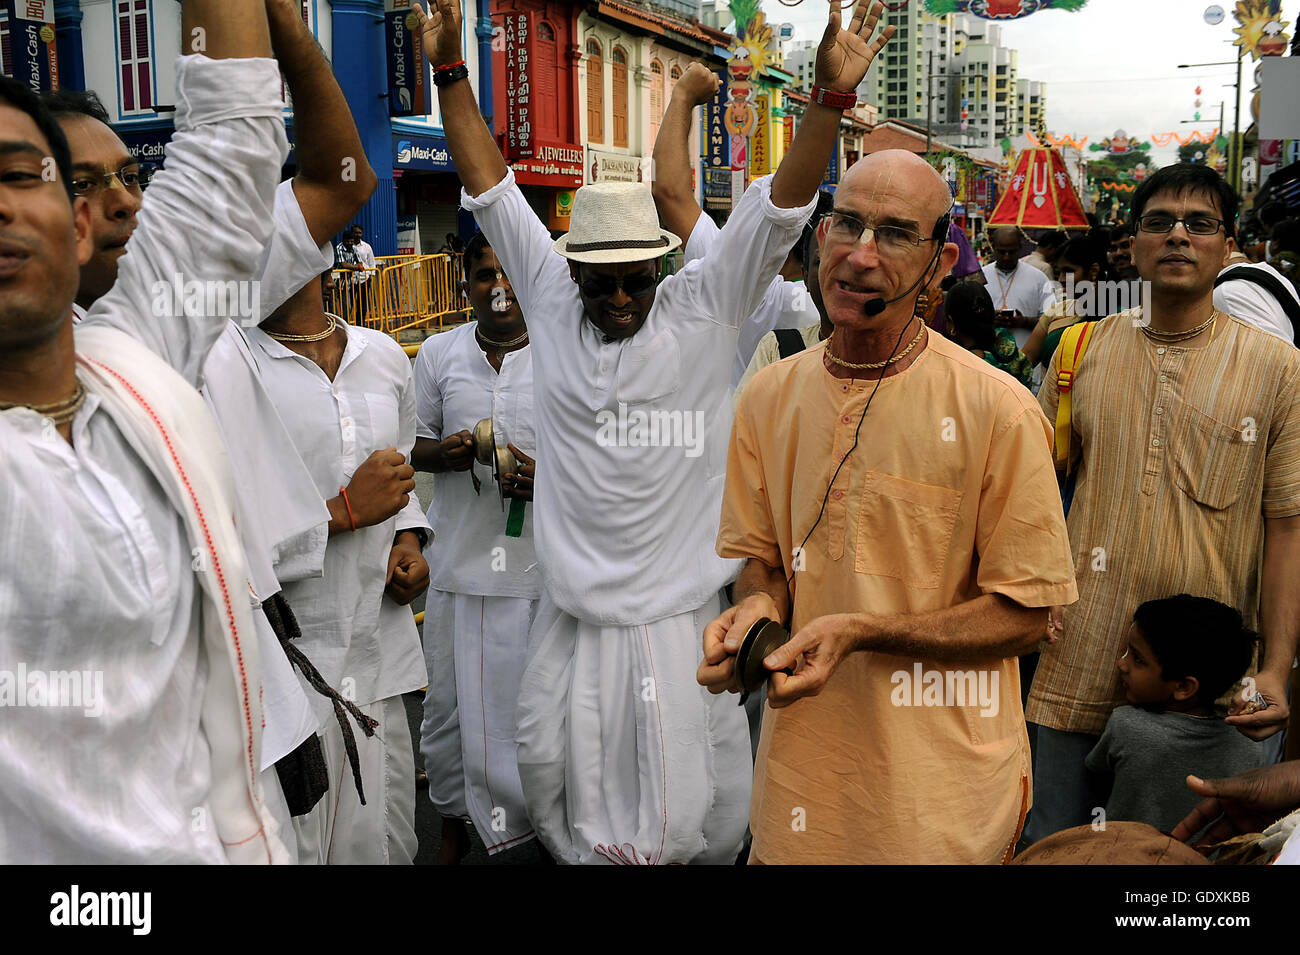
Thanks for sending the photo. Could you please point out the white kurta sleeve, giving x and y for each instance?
(428, 396)
(1051, 294)
(729, 283)
(703, 237)
(292, 257)
(521, 243)
(411, 517)
(207, 216)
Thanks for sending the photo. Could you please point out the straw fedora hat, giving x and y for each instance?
(615, 222)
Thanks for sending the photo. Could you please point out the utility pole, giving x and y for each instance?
(1234, 167)
(929, 100)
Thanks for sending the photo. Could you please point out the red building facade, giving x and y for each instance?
(535, 96)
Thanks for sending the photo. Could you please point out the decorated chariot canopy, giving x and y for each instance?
(1039, 195)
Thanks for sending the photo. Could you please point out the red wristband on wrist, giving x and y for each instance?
(825, 97)
(448, 66)
(348, 504)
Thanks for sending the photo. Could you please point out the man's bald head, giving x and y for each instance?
(897, 170)
(1006, 247)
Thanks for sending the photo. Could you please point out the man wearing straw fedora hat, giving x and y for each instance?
(623, 757)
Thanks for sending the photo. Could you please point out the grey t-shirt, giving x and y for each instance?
(1151, 755)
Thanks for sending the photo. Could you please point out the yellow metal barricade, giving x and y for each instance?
(405, 292)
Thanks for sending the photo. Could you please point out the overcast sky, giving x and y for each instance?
(1113, 64)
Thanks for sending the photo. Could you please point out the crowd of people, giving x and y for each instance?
(1044, 585)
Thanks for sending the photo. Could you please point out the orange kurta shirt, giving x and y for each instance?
(950, 494)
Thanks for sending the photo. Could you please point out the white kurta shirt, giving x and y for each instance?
(634, 433)
(350, 630)
(1254, 304)
(96, 571)
(455, 388)
(1027, 290)
(784, 305)
(283, 523)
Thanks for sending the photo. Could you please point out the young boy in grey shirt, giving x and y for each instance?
(1183, 653)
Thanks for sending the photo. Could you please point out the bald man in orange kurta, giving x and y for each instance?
(900, 736)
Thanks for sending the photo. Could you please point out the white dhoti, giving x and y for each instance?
(474, 651)
(623, 756)
(341, 831)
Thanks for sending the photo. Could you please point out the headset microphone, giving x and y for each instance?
(939, 235)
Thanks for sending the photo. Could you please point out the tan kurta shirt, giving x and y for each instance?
(1185, 450)
(950, 494)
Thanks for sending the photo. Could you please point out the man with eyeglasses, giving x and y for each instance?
(108, 177)
(893, 498)
(1186, 427)
(622, 757)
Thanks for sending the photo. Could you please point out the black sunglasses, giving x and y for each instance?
(635, 285)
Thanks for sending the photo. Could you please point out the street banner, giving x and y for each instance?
(832, 177)
(33, 57)
(408, 70)
(760, 151)
(715, 133)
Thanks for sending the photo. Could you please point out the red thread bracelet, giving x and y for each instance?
(448, 66)
(348, 504)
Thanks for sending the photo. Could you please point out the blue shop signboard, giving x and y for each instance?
(421, 151)
(148, 145)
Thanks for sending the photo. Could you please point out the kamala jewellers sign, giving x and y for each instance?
(519, 88)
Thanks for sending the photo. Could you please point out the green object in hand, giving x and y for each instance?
(515, 519)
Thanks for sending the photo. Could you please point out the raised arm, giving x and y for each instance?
(225, 29)
(671, 182)
(334, 179)
(842, 60)
(209, 211)
(474, 152)
(520, 239)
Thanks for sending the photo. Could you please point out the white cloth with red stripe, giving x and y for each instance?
(152, 754)
(123, 590)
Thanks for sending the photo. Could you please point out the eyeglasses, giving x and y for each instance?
(134, 179)
(890, 238)
(1160, 224)
(633, 285)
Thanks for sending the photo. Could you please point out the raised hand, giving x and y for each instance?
(698, 84)
(440, 28)
(844, 55)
